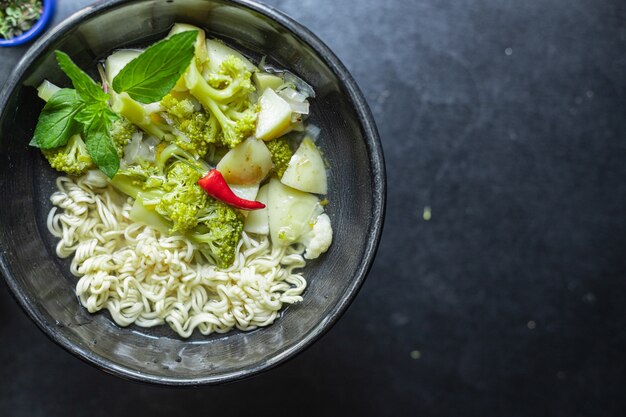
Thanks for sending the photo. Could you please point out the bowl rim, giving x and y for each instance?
(379, 190)
(47, 13)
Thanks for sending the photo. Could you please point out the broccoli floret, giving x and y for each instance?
(178, 201)
(174, 152)
(143, 169)
(237, 125)
(281, 154)
(183, 198)
(175, 195)
(194, 131)
(218, 232)
(138, 114)
(72, 158)
(238, 78)
(121, 133)
(144, 174)
(230, 106)
(180, 108)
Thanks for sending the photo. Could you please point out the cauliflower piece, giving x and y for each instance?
(319, 238)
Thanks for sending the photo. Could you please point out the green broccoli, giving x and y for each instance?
(194, 131)
(183, 198)
(121, 133)
(72, 158)
(169, 198)
(175, 196)
(143, 170)
(230, 106)
(176, 152)
(180, 108)
(137, 178)
(281, 154)
(136, 113)
(218, 232)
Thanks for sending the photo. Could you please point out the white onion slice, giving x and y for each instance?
(300, 108)
(153, 107)
(300, 84)
(313, 131)
(140, 149)
(290, 94)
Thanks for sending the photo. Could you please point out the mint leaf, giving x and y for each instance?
(84, 85)
(83, 110)
(153, 74)
(88, 113)
(56, 122)
(99, 144)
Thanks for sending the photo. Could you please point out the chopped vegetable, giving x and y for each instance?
(122, 131)
(290, 211)
(263, 80)
(46, 90)
(218, 233)
(306, 170)
(258, 220)
(281, 154)
(71, 158)
(183, 199)
(194, 131)
(247, 163)
(165, 116)
(218, 52)
(238, 120)
(319, 238)
(274, 116)
(139, 115)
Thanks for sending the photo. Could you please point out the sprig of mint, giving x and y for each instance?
(153, 74)
(84, 85)
(56, 122)
(84, 109)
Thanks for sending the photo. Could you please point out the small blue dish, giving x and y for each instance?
(33, 32)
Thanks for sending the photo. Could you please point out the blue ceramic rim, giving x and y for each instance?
(33, 32)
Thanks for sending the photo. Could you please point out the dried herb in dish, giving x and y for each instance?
(17, 16)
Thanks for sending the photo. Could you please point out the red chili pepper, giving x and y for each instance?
(215, 185)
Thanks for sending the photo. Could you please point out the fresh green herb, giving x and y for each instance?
(56, 122)
(88, 90)
(17, 16)
(99, 144)
(90, 112)
(83, 110)
(153, 74)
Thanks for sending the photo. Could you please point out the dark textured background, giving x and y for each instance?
(508, 119)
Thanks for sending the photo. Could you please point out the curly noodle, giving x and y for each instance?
(144, 277)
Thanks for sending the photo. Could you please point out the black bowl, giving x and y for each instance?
(42, 284)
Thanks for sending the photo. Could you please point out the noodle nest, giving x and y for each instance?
(145, 277)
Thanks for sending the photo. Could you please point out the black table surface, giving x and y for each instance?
(505, 119)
